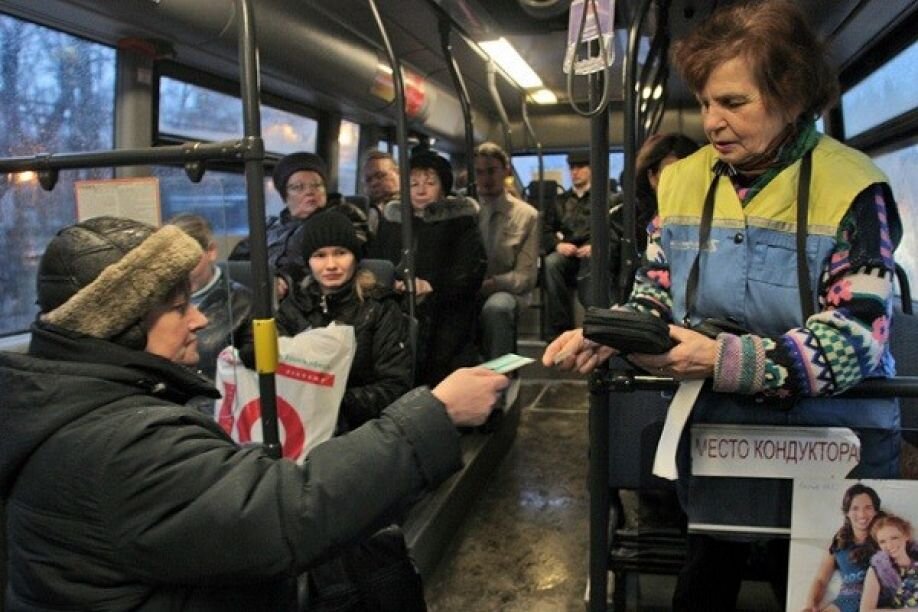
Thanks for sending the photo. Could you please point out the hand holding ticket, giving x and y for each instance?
(507, 363)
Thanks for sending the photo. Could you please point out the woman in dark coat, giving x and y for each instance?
(450, 263)
(336, 291)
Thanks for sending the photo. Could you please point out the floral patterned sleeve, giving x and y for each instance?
(846, 341)
(651, 281)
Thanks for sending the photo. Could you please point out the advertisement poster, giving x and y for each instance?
(818, 519)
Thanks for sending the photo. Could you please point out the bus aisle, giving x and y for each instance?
(523, 545)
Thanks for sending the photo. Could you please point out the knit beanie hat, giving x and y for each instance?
(295, 162)
(102, 276)
(428, 160)
(329, 228)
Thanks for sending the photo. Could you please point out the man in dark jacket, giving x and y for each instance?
(120, 498)
(567, 248)
(226, 304)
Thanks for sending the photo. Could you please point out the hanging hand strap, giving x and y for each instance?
(807, 307)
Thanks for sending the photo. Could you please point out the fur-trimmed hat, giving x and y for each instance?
(101, 277)
(578, 158)
(296, 162)
(329, 228)
(428, 160)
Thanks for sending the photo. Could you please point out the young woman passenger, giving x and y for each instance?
(119, 497)
(335, 290)
(301, 180)
(761, 78)
(849, 553)
(450, 263)
(892, 580)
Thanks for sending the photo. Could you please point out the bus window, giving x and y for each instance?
(58, 95)
(899, 165)
(527, 167)
(220, 198)
(194, 112)
(348, 141)
(893, 83)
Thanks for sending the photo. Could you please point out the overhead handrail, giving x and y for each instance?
(463, 93)
(401, 122)
(250, 150)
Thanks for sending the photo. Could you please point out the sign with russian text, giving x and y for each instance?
(759, 451)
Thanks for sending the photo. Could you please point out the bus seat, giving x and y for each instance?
(360, 201)
(239, 271)
(552, 191)
(382, 269)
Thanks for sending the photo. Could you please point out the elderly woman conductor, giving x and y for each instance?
(762, 78)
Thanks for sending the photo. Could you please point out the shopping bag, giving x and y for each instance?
(311, 377)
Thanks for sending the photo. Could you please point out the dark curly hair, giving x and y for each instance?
(789, 64)
(844, 537)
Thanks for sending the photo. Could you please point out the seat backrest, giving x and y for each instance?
(360, 201)
(552, 189)
(239, 271)
(382, 269)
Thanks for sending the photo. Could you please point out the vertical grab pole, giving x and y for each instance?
(630, 141)
(265, 331)
(501, 111)
(538, 146)
(599, 394)
(463, 93)
(404, 173)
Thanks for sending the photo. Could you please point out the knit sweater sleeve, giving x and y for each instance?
(846, 340)
(651, 291)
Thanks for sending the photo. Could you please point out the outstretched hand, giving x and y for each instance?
(571, 351)
(469, 394)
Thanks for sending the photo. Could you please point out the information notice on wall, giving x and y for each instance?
(132, 198)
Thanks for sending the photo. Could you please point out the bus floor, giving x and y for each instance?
(524, 544)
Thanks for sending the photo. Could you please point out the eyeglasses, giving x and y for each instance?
(298, 188)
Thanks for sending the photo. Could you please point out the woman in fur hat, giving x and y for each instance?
(450, 263)
(119, 497)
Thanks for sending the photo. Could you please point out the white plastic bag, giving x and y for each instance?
(311, 377)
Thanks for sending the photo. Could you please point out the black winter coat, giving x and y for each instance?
(119, 498)
(381, 371)
(285, 242)
(227, 319)
(450, 255)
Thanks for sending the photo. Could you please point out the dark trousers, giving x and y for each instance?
(561, 275)
(713, 572)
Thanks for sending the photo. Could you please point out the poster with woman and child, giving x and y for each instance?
(853, 546)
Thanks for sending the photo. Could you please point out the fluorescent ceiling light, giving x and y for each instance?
(505, 56)
(544, 96)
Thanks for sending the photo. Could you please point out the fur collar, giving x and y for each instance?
(452, 207)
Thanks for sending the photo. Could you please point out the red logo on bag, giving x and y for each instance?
(322, 379)
(294, 433)
(225, 417)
